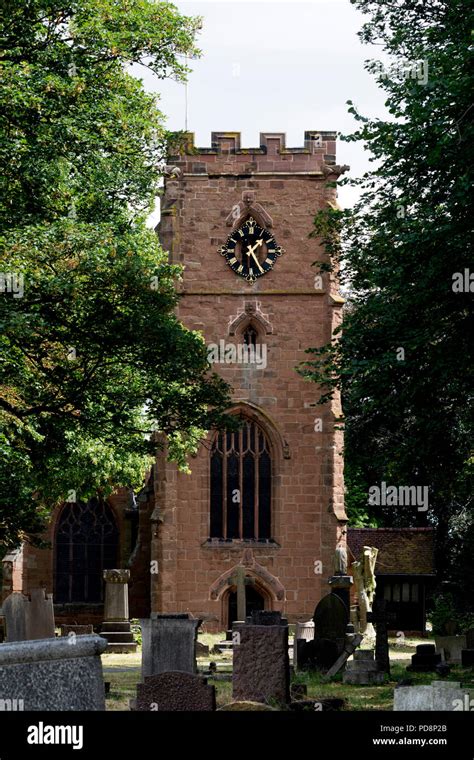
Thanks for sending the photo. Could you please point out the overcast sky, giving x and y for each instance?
(277, 66)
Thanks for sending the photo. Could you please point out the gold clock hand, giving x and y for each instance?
(257, 262)
(251, 248)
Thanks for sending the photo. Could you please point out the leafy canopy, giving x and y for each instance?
(94, 364)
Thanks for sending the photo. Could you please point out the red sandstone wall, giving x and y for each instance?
(308, 486)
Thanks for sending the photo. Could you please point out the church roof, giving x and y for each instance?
(402, 551)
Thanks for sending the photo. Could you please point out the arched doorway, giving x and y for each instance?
(86, 544)
(253, 601)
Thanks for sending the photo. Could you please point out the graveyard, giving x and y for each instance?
(123, 672)
(171, 663)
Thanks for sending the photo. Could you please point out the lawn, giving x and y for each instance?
(122, 671)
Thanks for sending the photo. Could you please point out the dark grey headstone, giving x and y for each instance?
(330, 618)
(169, 644)
(261, 668)
(175, 692)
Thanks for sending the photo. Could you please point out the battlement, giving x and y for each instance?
(226, 156)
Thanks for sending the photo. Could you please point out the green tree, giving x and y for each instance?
(93, 362)
(404, 359)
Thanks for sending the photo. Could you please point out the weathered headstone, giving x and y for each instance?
(116, 626)
(169, 644)
(175, 691)
(350, 646)
(450, 648)
(53, 674)
(363, 669)
(261, 668)
(445, 696)
(39, 615)
(14, 612)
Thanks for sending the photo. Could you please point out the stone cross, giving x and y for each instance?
(238, 579)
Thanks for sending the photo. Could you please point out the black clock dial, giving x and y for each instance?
(251, 250)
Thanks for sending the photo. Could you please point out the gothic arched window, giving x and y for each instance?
(86, 544)
(241, 478)
(250, 336)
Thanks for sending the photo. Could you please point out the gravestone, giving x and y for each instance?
(169, 644)
(261, 666)
(116, 627)
(29, 617)
(450, 648)
(53, 674)
(363, 669)
(39, 615)
(330, 618)
(175, 692)
(379, 617)
(445, 696)
(352, 642)
(425, 659)
(14, 612)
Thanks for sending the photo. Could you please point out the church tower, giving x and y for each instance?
(264, 506)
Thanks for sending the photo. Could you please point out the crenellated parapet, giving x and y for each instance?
(225, 156)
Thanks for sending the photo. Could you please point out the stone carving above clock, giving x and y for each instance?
(248, 206)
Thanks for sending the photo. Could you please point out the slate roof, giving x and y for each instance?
(402, 551)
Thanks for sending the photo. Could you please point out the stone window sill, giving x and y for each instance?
(220, 543)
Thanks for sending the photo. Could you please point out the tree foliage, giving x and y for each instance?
(93, 362)
(404, 360)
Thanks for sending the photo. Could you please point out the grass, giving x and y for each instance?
(123, 673)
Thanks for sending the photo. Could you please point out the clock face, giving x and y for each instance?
(251, 251)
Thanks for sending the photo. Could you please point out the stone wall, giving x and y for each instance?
(291, 315)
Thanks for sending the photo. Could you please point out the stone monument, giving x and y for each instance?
(169, 644)
(364, 577)
(116, 626)
(261, 669)
(53, 674)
